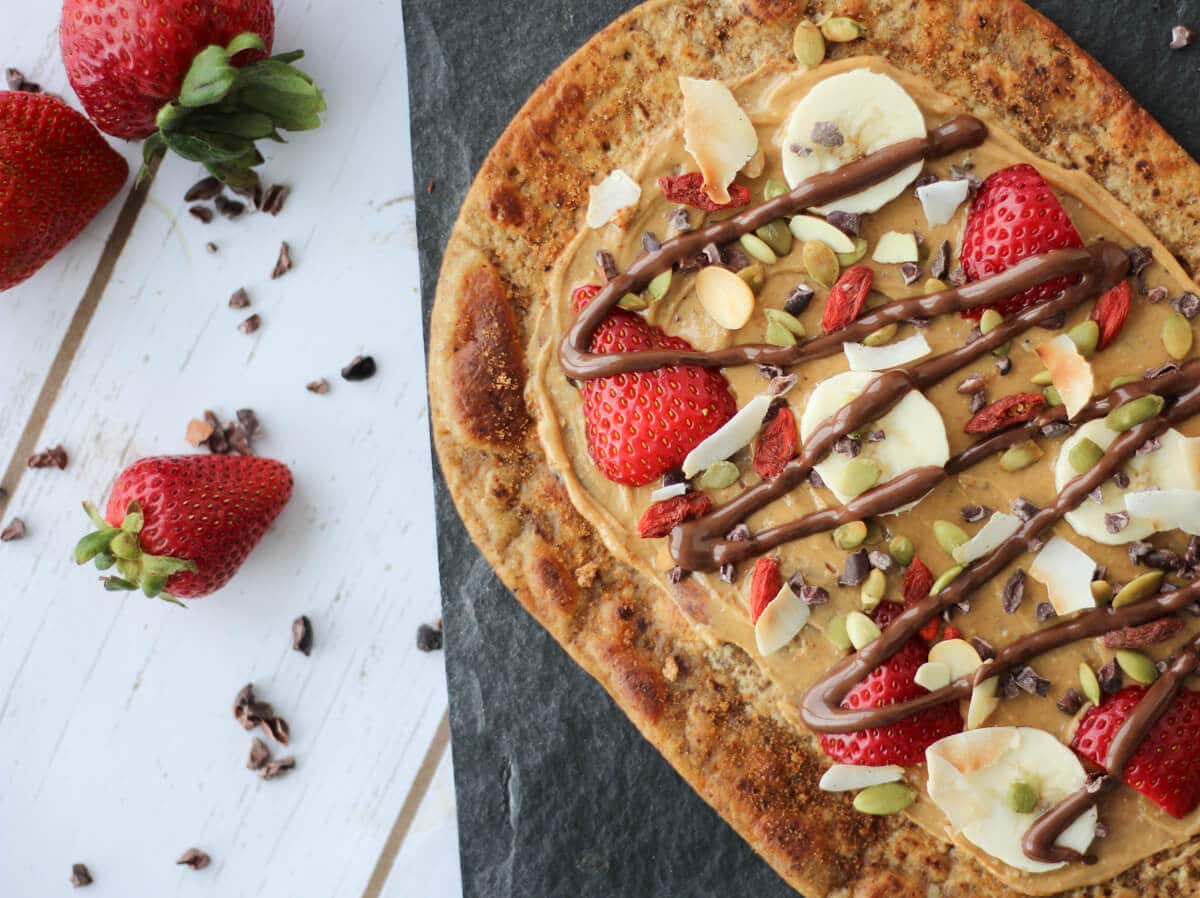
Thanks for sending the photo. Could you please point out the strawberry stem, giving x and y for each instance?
(121, 546)
(222, 109)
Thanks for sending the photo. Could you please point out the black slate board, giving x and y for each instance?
(558, 795)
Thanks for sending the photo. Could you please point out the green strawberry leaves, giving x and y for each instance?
(120, 547)
(222, 109)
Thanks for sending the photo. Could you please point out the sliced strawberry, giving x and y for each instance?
(1015, 215)
(765, 583)
(846, 297)
(1110, 312)
(905, 741)
(643, 424)
(918, 580)
(1166, 768)
(581, 296)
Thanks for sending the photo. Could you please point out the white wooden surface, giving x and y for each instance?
(117, 746)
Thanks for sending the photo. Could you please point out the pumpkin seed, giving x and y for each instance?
(633, 302)
(1177, 336)
(1131, 414)
(884, 799)
(873, 589)
(1138, 588)
(1122, 381)
(989, 321)
(1041, 379)
(884, 335)
(1021, 456)
(754, 275)
(874, 530)
(1139, 668)
(778, 335)
(658, 287)
(1089, 683)
(835, 632)
(841, 29)
(719, 475)
(933, 285)
(821, 263)
(1086, 337)
(946, 578)
(861, 629)
(1022, 797)
(775, 188)
(791, 322)
(860, 250)
(949, 535)
(1102, 592)
(859, 475)
(850, 536)
(808, 44)
(758, 249)
(1053, 397)
(902, 550)
(777, 235)
(1084, 455)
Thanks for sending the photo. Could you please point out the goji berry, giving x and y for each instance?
(662, 517)
(918, 580)
(1015, 409)
(765, 583)
(846, 298)
(776, 444)
(1110, 312)
(688, 189)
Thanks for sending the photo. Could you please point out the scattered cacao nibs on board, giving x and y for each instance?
(320, 386)
(430, 187)
(361, 367)
(249, 423)
(1071, 701)
(279, 730)
(429, 638)
(1182, 36)
(240, 299)
(251, 324)
(302, 635)
(80, 875)
(194, 858)
(275, 197)
(253, 194)
(203, 190)
(1014, 592)
(17, 81)
(259, 754)
(55, 457)
(273, 769)
(202, 214)
(231, 209)
(284, 263)
(211, 248)
(13, 532)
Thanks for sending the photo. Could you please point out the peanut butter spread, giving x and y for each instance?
(1136, 828)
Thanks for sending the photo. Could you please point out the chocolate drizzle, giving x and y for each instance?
(578, 362)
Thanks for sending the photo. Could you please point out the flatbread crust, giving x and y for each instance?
(709, 711)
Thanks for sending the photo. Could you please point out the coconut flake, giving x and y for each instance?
(670, 491)
(895, 247)
(734, 434)
(890, 355)
(809, 227)
(717, 132)
(1000, 526)
(852, 777)
(610, 196)
(780, 621)
(1067, 572)
(941, 200)
(1069, 371)
(1167, 509)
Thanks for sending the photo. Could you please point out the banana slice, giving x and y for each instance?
(843, 118)
(914, 434)
(1175, 465)
(971, 778)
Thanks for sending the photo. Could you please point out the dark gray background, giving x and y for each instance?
(557, 793)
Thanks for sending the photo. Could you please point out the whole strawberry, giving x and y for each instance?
(641, 425)
(1166, 768)
(905, 741)
(56, 174)
(1014, 215)
(180, 527)
(187, 76)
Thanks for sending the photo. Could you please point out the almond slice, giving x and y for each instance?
(717, 133)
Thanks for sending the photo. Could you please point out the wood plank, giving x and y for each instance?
(428, 861)
(117, 747)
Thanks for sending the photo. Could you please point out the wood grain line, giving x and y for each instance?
(408, 810)
(73, 338)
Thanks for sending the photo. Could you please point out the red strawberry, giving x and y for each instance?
(1014, 215)
(641, 425)
(1166, 768)
(182, 526)
(192, 77)
(905, 741)
(56, 174)
(765, 583)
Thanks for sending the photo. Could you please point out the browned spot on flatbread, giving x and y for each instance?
(766, 11)
(505, 206)
(884, 885)
(487, 367)
(641, 687)
(551, 580)
(693, 599)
